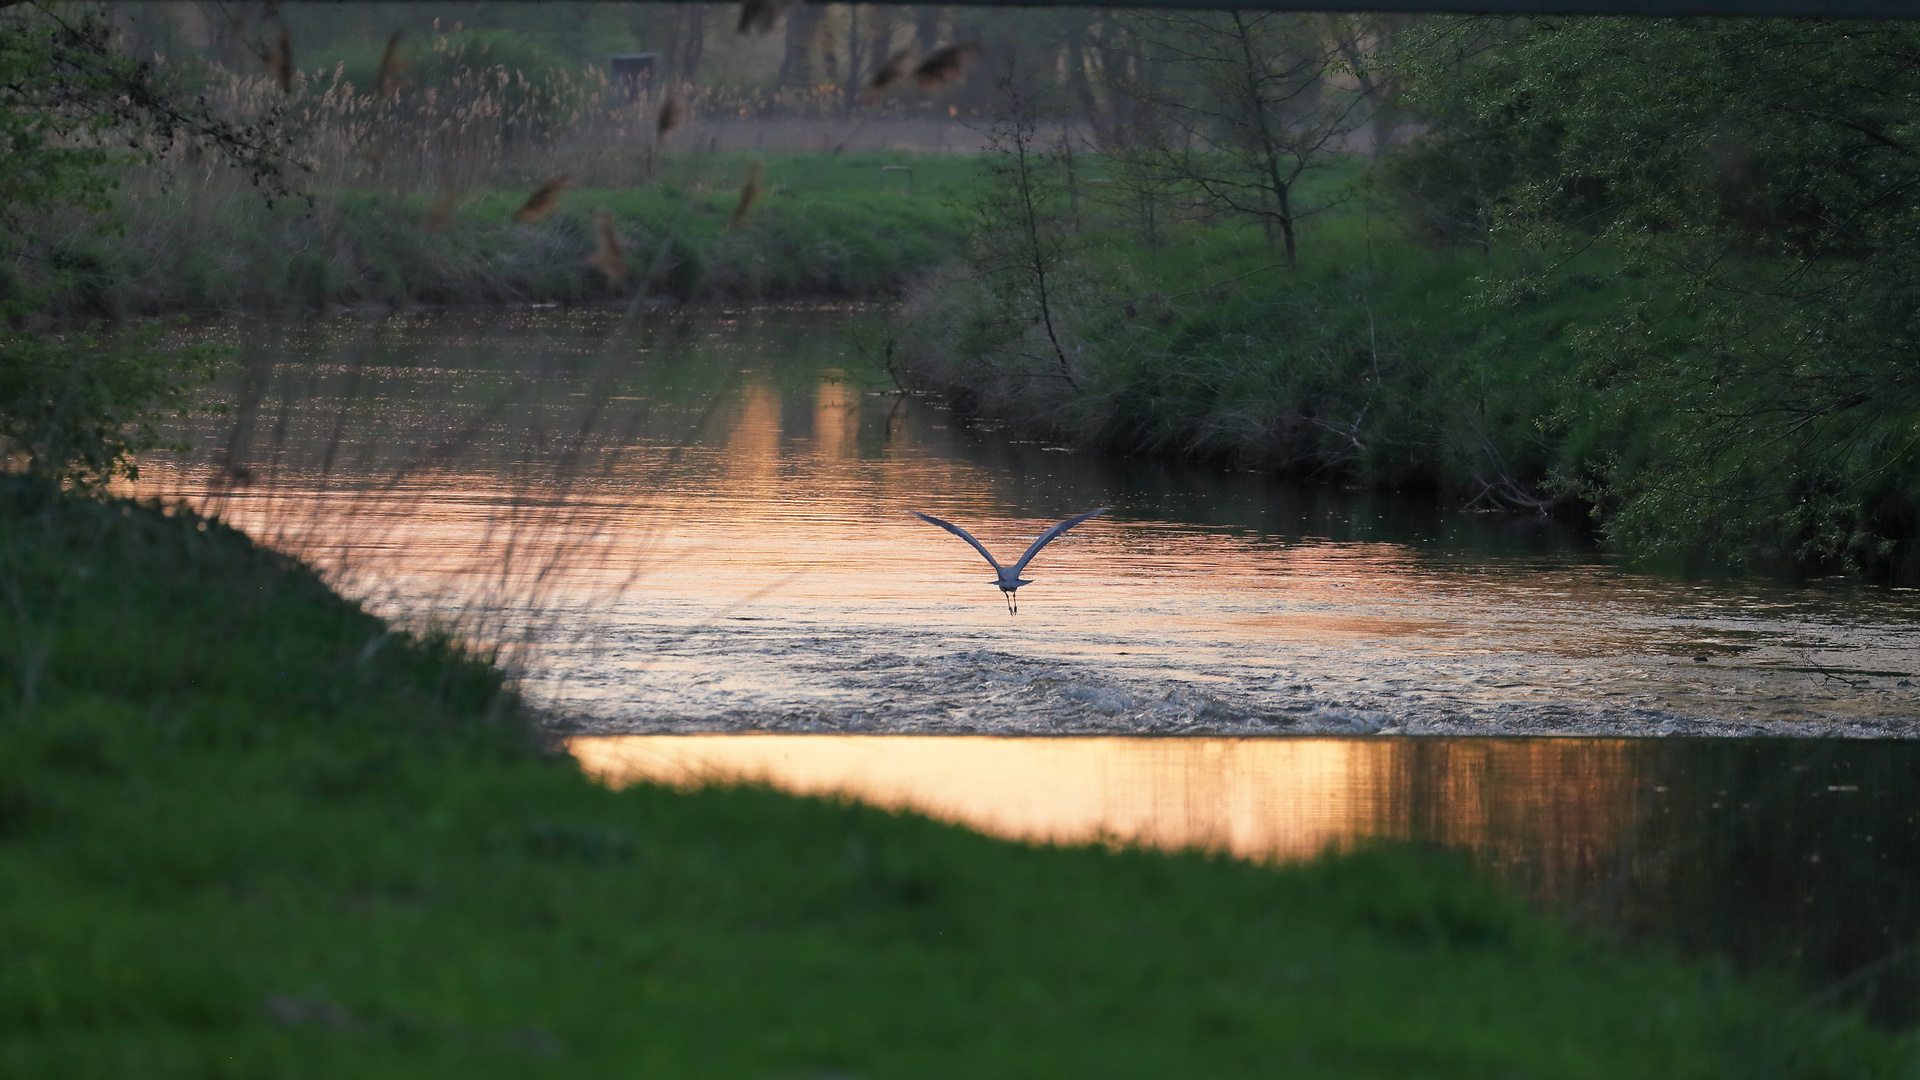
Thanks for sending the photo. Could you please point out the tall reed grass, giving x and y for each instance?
(402, 188)
(461, 494)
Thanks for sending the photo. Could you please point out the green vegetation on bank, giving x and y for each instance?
(821, 226)
(1685, 306)
(245, 829)
(1377, 361)
(1682, 307)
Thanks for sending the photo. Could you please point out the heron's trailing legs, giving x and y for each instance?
(1013, 602)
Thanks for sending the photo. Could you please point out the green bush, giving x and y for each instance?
(78, 407)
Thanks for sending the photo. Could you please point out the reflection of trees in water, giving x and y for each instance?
(1547, 815)
(1789, 855)
(1781, 856)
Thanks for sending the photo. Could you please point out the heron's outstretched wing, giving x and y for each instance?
(1051, 535)
(964, 535)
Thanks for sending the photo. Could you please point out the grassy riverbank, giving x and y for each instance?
(1378, 361)
(245, 831)
(822, 226)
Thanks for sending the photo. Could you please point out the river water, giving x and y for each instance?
(697, 523)
(705, 527)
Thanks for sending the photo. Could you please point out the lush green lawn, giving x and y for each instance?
(244, 833)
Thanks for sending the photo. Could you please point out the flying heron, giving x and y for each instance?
(1008, 577)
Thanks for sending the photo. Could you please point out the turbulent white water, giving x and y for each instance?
(710, 532)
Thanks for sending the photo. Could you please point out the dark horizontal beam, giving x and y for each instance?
(1850, 9)
(1678, 9)
(1841, 9)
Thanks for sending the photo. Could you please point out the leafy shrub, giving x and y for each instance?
(78, 407)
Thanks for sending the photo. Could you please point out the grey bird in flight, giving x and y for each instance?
(1008, 577)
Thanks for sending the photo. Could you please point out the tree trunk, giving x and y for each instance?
(856, 58)
(927, 21)
(1078, 46)
(1285, 202)
(693, 41)
(796, 64)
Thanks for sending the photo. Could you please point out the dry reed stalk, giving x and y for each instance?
(280, 60)
(749, 192)
(943, 66)
(541, 202)
(349, 485)
(607, 256)
(391, 65)
(440, 214)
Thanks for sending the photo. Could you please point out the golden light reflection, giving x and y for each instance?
(753, 441)
(1254, 798)
(1549, 812)
(1556, 810)
(836, 420)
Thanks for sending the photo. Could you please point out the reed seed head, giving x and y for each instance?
(749, 192)
(890, 73)
(943, 66)
(440, 215)
(607, 256)
(391, 65)
(280, 60)
(542, 202)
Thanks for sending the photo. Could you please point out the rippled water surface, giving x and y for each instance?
(703, 525)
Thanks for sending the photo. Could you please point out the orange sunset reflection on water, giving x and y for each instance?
(710, 531)
(1558, 806)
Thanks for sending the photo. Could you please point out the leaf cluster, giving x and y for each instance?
(79, 408)
(73, 109)
(72, 106)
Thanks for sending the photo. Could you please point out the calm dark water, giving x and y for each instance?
(700, 526)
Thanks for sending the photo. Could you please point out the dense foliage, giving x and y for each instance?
(1766, 171)
(1660, 269)
(820, 230)
(72, 109)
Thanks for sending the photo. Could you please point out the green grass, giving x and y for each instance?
(245, 832)
(937, 176)
(822, 228)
